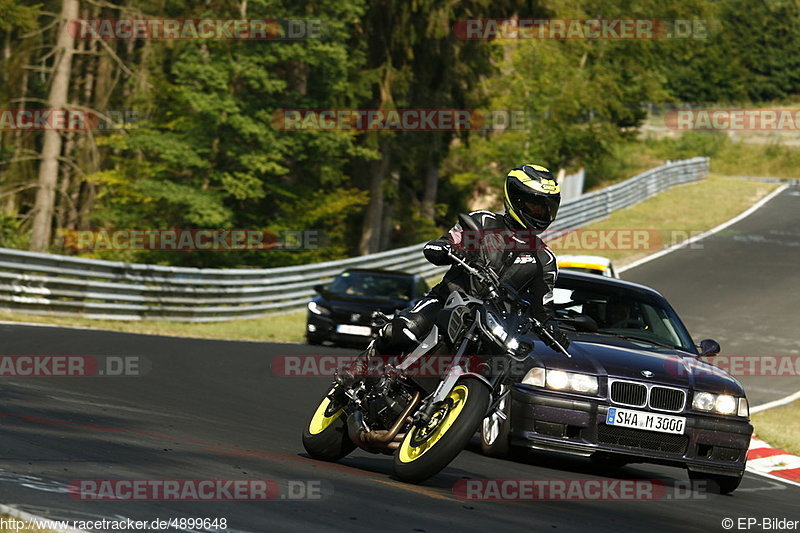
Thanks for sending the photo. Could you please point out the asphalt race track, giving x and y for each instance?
(214, 410)
(739, 286)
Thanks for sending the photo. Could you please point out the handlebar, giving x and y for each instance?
(490, 278)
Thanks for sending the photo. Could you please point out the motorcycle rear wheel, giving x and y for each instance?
(325, 435)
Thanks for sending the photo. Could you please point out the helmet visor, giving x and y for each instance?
(538, 211)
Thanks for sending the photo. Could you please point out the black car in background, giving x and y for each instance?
(342, 312)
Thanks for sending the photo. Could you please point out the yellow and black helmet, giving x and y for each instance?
(532, 196)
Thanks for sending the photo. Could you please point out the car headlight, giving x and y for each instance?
(583, 383)
(557, 379)
(317, 309)
(724, 404)
(495, 328)
(744, 408)
(535, 377)
(704, 401)
(562, 381)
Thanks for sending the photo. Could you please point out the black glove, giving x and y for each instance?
(555, 332)
(463, 254)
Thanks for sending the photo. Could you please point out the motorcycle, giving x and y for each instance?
(425, 421)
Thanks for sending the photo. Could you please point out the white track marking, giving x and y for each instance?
(775, 403)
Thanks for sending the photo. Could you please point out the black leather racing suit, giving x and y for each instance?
(519, 256)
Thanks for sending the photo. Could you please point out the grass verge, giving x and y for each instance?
(780, 427)
(288, 327)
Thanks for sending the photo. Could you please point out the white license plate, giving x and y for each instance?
(349, 329)
(643, 420)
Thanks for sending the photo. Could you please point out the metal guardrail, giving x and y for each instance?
(41, 283)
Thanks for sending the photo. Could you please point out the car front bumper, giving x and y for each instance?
(549, 420)
(325, 329)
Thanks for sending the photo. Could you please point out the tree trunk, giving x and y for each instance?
(388, 210)
(51, 147)
(431, 182)
(371, 230)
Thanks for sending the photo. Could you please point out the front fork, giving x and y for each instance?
(455, 372)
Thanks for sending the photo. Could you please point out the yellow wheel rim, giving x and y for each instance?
(320, 421)
(442, 419)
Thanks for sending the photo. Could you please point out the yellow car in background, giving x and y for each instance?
(592, 264)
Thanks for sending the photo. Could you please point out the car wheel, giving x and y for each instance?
(495, 429)
(716, 483)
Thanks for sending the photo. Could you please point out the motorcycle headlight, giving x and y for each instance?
(495, 328)
(317, 309)
(561, 381)
(724, 404)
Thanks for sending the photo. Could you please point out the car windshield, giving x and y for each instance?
(622, 312)
(597, 271)
(372, 285)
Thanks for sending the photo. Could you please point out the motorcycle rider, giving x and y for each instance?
(523, 260)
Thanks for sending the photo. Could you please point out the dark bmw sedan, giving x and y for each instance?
(342, 312)
(634, 390)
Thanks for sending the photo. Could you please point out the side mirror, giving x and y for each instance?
(319, 288)
(708, 347)
(467, 222)
(470, 241)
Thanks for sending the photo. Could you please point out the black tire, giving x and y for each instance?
(326, 438)
(423, 454)
(715, 483)
(495, 431)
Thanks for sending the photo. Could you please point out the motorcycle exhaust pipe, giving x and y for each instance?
(395, 444)
(359, 434)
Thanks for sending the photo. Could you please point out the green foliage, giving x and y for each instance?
(16, 15)
(10, 234)
(206, 152)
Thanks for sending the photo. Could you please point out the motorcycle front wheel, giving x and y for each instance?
(427, 450)
(325, 436)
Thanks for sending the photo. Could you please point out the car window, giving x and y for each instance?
(372, 285)
(622, 313)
